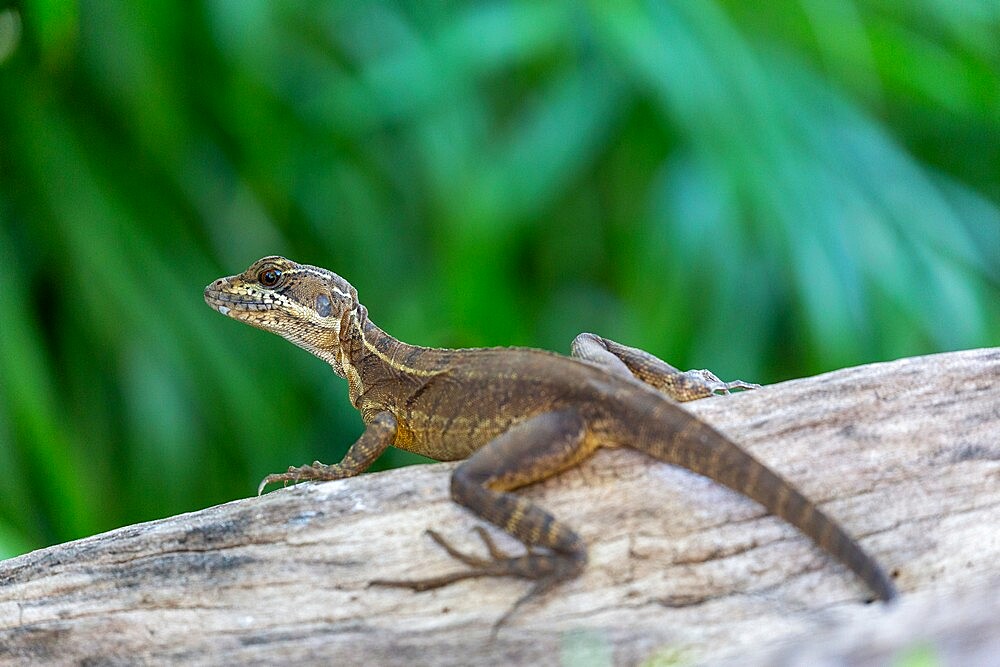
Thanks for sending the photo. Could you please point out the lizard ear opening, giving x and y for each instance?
(323, 305)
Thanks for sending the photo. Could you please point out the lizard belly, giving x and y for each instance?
(447, 438)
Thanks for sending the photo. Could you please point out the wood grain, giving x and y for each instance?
(905, 454)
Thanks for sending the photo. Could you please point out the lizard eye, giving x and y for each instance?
(269, 277)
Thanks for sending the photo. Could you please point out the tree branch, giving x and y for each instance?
(906, 455)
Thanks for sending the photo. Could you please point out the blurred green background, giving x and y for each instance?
(769, 190)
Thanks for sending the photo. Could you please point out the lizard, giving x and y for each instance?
(514, 416)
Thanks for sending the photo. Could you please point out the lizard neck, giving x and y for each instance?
(377, 366)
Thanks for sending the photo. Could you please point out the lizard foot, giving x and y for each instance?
(545, 569)
(716, 386)
(316, 472)
(499, 564)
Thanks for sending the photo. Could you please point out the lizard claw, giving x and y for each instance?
(271, 479)
(292, 475)
(727, 387)
(480, 567)
(541, 587)
(315, 472)
(545, 569)
(717, 386)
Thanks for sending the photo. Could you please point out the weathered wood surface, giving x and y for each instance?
(905, 454)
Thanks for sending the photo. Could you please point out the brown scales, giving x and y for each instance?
(516, 415)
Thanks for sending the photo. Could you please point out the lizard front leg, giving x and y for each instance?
(528, 452)
(633, 362)
(378, 435)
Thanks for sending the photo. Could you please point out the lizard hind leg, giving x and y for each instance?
(528, 452)
(643, 366)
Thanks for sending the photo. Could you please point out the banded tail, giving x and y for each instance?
(702, 449)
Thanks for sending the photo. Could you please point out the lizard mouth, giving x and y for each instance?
(225, 302)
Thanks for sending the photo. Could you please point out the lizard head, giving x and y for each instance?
(304, 304)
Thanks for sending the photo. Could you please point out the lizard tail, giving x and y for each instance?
(702, 449)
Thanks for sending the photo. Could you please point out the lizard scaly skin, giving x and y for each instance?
(515, 415)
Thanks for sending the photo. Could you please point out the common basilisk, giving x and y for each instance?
(515, 415)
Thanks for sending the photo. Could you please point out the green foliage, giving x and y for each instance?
(921, 655)
(765, 190)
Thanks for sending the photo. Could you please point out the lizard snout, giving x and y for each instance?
(214, 295)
